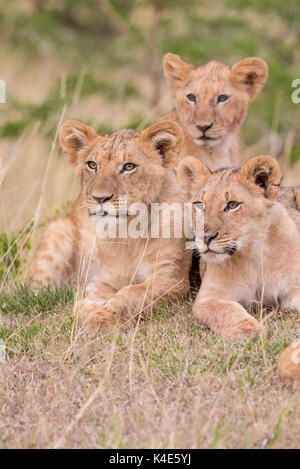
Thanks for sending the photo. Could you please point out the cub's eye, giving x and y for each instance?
(222, 98)
(191, 97)
(92, 165)
(232, 205)
(128, 167)
(199, 206)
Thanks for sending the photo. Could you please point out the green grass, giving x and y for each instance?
(166, 382)
(71, 34)
(86, 85)
(11, 249)
(23, 300)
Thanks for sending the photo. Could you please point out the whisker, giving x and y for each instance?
(84, 205)
(190, 245)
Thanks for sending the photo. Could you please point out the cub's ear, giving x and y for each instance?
(250, 73)
(191, 172)
(176, 71)
(264, 171)
(74, 136)
(166, 138)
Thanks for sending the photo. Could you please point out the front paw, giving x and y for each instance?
(94, 313)
(37, 284)
(248, 327)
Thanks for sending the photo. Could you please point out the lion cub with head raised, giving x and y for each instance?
(211, 104)
(250, 243)
(127, 273)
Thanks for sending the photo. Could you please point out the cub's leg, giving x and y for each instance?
(130, 301)
(228, 318)
(54, 262)
(291, 300)
(98, 296)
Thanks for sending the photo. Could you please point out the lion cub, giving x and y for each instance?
(126, 273)
(211, 103)
(250, 243)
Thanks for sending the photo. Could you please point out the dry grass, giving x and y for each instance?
(167, 383)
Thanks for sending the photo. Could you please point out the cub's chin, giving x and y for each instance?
(217, 257)
(104, 217)
(210, 256)
(207, 142)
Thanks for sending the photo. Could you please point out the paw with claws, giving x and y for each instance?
(95, 313)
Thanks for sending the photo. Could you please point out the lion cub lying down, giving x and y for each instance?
(250, 243)
(128, 273)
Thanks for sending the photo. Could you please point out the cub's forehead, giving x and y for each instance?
(115, 144)
(212, 72)
(222, 182)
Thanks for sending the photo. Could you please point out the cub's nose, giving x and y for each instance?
(101, 200)
(209, 238)
(204, 128)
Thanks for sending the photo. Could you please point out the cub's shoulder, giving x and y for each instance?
(289, 197)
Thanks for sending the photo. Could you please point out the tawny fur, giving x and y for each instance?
(289, 365)
(125, 276)
(290, 198)
(241, 83)
(252, 252)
